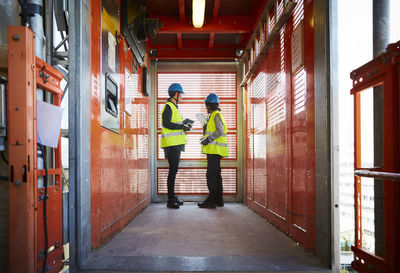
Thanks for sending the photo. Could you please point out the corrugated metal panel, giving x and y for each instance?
(298, 13)
(258, 45)
(277, 138)
(120, 162)
(281, 5)
(193, 181)
(280, 160)
(272, 18)
(300, 140)
(143, 143)
(131, 88)
(260, 139)
(193, 147)
(299, 96)
(198, 85)
(250, 145)
(143, 186)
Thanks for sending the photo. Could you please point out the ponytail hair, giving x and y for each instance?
(213, 106)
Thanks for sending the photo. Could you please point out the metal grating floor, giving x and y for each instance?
(228, 239)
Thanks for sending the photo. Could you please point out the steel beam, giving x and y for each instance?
(194, 44)
(225, 24)
(36, 24)
(79, 132)
(179, 37)
(323, 181)
(49, 31)
(216, 9)
(334, 133)
(214, 54)
(182, 17)
(211, 41)
(380, 37)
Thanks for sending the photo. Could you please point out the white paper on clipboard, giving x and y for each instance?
(48, 123)
(201, 118)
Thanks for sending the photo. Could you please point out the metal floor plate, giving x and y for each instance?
(229, 239)
(202, 264)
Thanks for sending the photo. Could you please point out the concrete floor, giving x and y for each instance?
(230, 238)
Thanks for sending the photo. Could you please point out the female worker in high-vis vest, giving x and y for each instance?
(173, 139)
(215, 146)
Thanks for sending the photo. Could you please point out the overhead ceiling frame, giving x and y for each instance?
(225, 24)
(218, 24)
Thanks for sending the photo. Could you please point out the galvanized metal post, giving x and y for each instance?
(326, 190)
(334, 127)
(9, 17)
(153, 132)
(49, 30)
(381, 36)
(79, 132)
(36, 24)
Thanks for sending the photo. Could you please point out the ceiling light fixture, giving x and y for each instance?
(198, 9)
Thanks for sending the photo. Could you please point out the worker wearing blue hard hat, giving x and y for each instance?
(212, 98)
(173, 138)
(175, 87)
(215, 146)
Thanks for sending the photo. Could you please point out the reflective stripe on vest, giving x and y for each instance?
(172, 137)
(209, 133)
(219, 145)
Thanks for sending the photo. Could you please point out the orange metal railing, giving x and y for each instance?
(382, 71)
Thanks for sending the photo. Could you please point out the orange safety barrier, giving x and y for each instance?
(26, 73)
(383, 70)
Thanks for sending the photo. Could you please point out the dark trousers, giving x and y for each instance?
(173, 156)
(214, 178)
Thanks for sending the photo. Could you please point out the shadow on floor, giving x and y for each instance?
(190, 239)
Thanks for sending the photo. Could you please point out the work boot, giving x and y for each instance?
(220, 202)
(172, 204)
(207, 204)
(180, 202)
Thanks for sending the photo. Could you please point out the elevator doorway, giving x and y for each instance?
(197, 80)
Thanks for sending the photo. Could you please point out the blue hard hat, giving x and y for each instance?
(212, 98)
(175, 87)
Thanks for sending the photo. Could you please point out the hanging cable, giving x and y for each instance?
(4, 157)
(46, 239)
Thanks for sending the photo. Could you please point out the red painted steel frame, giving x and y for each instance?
(225, 24)
(26, 211)
(383, 70)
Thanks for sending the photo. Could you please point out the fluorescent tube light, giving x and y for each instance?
(198, 10)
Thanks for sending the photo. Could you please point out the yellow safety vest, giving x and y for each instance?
(219, 145)
(172, 137)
